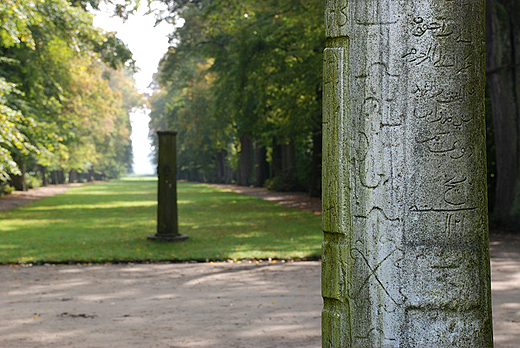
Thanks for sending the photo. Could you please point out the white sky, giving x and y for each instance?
(148, 44)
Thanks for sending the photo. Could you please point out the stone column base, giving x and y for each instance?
(169, 238)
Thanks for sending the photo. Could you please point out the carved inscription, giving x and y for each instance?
(402, 197)
(443, 208)
(336, 13)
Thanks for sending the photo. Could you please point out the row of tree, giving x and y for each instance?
(66, 89)
(242, 85)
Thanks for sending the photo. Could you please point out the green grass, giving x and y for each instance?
(110, 221)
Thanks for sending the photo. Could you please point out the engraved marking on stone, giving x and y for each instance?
(372, 270)
(440, 210)
(362, 148)
(376, 80)
(336, 13)
(375, 68)
(379, 85)
(459, 95)
(439, 28)
(430, 89)
(433, 53)
(443, 115)
(440, 143)
(378, 209)
(466, 63)
(434, 91)
(342, 20)
(365, 183)
(454, 192)
(453, 222)
(464, 38)
(371, 105)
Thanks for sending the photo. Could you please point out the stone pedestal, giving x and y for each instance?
(405, 254)
(167, 222)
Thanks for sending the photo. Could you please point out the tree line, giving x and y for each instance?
(66, 89)
(242, 85)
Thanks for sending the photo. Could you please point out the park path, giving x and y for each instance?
(197, 305)
(21, 197)
(290, 199)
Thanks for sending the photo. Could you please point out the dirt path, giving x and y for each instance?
(161, 305)
(290, 199)
(210, 305)
(21, 197)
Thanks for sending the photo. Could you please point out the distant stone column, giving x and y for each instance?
(405, 253)
(167, 222)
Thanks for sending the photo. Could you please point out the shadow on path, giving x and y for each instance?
(197, 305)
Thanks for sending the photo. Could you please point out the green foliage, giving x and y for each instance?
(111, 222)
(33, 180)
(57, 104)
(240, 69)
(12, 137)
(5, 189)
(287, 181)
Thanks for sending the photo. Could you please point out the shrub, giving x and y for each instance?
(5, 189)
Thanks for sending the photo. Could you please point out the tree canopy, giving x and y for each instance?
(242, 85)
(66, 89)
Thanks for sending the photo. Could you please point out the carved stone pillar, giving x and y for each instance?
(405, 253)
(167, 222)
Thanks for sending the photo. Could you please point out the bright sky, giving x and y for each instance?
(148, 44)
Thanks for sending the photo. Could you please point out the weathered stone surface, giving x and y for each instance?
(167, 218)
(405, 254)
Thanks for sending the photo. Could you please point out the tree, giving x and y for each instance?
(60, 105)
(266, 62)
(503, 77)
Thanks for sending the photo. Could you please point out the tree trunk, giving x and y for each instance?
(315, 184)
(52, 177)
(288, 157)
(61, 176)
(221, 155)
(43, 170)
(73, 176)
(18, 181)
(503, 83)
(262, 166)
(276, 164)
(245, 171)
(90, 174)
(229, 173)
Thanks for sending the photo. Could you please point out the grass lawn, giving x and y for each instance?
(110, 221)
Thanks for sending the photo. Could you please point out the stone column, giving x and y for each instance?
(405, 253)
(167, 222)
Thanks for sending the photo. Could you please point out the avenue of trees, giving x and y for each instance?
(66, 88)
(241, 84)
